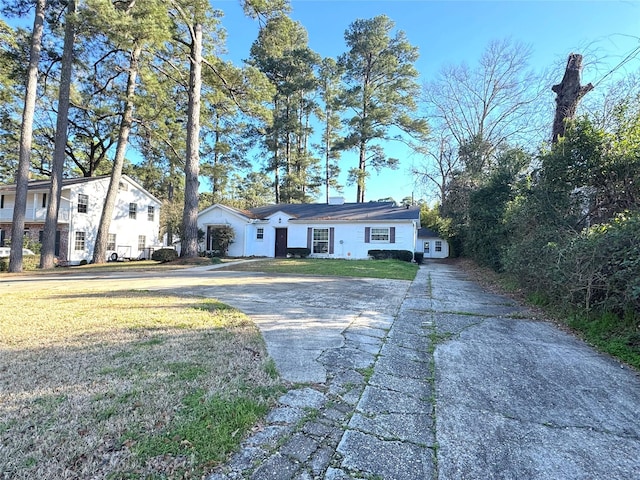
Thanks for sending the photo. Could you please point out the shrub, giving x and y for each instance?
(404, 255)
(164, 255)
(298, 252)
(418, 257)
(29, 262)
(220, 238)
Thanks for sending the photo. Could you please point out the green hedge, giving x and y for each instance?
(164, 255)
(302, 252)
(404, 255)
(29, 262)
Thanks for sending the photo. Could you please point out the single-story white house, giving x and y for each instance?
(431, 244)
(134, 229)
(330, 230)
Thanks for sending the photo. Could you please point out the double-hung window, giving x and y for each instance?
(320, 240)
(380, 235)
(83, 203)
(438, 246)
(151, 213)
(80, 241)
(259, 233)
(133, 211)
(142, 242)
(111, 241)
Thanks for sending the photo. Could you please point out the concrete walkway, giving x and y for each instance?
(456, 384)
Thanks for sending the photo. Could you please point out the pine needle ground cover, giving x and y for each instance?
(103, 383)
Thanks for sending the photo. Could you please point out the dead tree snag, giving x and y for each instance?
(569, 93)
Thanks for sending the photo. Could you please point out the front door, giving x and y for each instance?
(427, 253)
(281, 242)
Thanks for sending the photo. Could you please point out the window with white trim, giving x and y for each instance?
(438, 245)
(151, 213)
(380, 235)
(80, 241)
(111, 241)
(142, 242)
(133, 211)
(259, 233)
(320, 242)
(83, 203)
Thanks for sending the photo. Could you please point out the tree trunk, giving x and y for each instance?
(192, 163)
(327, 152)
(362, 165)
(569, 93)
(100, 249)
(26, 138)
(47, 253)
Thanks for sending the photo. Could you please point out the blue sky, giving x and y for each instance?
(458, 31)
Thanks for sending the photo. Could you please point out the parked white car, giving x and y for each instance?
(6, 251)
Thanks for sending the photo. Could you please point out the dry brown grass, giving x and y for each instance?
(91, 379)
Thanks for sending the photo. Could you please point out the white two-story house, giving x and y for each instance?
(133, 233)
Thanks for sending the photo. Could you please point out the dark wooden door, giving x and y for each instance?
(281, 242)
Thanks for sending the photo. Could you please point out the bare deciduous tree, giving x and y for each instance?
(492, 103)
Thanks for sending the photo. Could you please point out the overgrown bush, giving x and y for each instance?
(164, 255)
(298, 252)
(220, 239)
(404, 255)
(600, 267)
(418, 257)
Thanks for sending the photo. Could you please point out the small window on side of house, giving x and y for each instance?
(133, 211)
(123, 186)
(142, 242)
(151, 213)
(83, 203)
(260, 233)
(111, 241)
(438, 245)
(80, 241)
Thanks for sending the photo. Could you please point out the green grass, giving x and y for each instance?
(120, 383)
(205, 428)
(617, 336)
(391, 269)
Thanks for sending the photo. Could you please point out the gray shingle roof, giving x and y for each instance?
(378, 211)
(43, 184)
(427, 233)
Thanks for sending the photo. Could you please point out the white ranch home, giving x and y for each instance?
(330, 230)
(134, 227)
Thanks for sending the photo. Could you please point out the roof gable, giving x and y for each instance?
(244, 215)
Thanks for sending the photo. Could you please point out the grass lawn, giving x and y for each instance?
(391, 269)
(115, 384)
